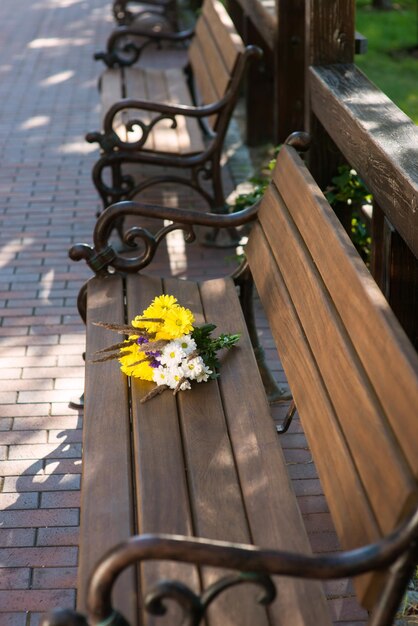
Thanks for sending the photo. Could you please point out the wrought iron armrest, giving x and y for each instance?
(102, 255)
(120, 54)
(109, 140)
(255, 564)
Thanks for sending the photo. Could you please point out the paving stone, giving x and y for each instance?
(14, 501)
(44, 482)
(15, 578)
(54, 578)
(15, 537)
(66, 536)
(36, 600)
(40, 518)
(38, 557)
(13, 619)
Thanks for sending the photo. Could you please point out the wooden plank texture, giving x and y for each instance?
(376, 138)
(215, 65)
(135, 86)
(206, 92)
(330, 31)
(106, 494)
(215, 491)
(189, 132)
(351, 512)
(214, 52)
(390, 356)
(160, 480)
(224, 32)
(111, 91)
(357, 406)
(273, 514)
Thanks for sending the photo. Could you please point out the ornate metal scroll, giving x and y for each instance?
(193, 606)
(126, 44)
(109, 139)
(204, 165)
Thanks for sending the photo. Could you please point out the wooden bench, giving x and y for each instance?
(175, 117)
(201, 478)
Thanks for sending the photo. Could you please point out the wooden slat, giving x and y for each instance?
(188, 130)
(136, 86)
(106, 494)
(165, 138)
(215, 492)
(111, 91)
(377, 139)
(161, 488)
(214, 52)
(357, 407)
(223, 31)
(357, 527)
(390, 361)
(206, 91)
(273, 514)
(215, 66)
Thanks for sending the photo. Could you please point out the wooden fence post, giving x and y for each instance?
(330, 38)
(289, 62)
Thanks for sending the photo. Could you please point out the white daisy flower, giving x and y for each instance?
(187, 344)
(172, 354)
(174, 376)
(193, 368)
(204, 375)
(160, 375)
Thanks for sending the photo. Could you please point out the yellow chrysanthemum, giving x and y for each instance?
(178, 322)
(128, 360)
(158, 308)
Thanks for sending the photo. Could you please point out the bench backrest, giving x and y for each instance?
(352, 370)
(214, 53)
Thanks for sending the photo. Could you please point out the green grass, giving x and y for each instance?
(388, 32)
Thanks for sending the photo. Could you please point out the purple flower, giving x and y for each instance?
(141, 340)
(155, 354)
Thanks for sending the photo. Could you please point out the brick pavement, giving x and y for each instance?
(48, 101)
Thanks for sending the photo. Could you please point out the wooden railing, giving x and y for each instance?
(309, 81)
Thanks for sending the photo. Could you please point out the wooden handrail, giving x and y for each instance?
(376, 138)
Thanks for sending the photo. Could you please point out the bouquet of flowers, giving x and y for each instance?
(163, 346)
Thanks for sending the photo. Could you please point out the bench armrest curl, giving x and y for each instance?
(126, 44)
(255, 565)
(102, 255)
(108, 139)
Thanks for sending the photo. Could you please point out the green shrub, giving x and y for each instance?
(348, 193)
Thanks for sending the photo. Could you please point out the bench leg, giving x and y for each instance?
(78, 403)
(121, 184)
(218, 206)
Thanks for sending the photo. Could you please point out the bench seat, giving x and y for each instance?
(187, 465)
